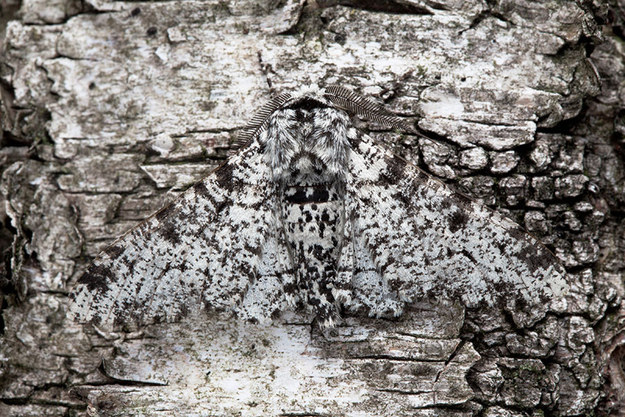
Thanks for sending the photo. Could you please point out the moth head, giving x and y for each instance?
(306, 127)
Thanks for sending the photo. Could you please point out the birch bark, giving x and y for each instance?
(110, 108)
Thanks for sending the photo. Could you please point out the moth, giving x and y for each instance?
(314, 214)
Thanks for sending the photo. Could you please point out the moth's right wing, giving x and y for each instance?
(216, 247)
(414, 238)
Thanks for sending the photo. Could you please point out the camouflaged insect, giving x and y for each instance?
(312, 213)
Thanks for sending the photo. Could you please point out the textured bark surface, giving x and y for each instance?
(109, 109)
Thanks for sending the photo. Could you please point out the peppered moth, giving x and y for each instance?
(312, 213)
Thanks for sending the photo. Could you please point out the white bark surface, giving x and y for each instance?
(111, 108)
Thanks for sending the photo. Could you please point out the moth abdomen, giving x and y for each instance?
(312, 220)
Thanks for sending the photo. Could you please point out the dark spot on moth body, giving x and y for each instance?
(302, 195)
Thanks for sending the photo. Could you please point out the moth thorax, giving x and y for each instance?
(318, 131)
(313, 214)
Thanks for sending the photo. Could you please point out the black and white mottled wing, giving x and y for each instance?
(414, 238)
(216, 247)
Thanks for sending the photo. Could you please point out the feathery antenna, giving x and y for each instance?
(259, 122)
(364, 107)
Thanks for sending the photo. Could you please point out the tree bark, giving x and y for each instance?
(110, 109)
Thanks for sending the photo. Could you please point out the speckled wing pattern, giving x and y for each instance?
(422, 240)
(314, 214)
(213, 248)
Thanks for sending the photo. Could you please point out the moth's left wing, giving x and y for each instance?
(413, 237)
(216, 247)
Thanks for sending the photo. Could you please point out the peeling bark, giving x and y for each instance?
(109, 109)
